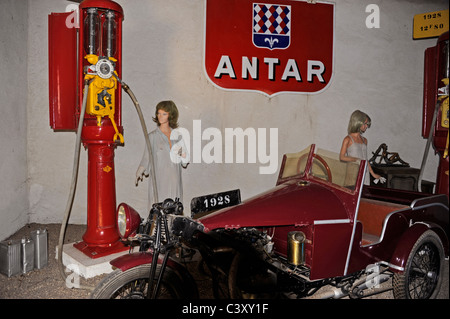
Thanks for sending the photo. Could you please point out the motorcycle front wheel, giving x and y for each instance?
(133, 284)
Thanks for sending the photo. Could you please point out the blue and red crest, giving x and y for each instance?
(269, 46)
(271, 25)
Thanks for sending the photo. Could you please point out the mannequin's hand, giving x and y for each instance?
(382, 180)
(139, 174)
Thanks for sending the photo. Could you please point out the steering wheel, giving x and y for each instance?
(321, 160)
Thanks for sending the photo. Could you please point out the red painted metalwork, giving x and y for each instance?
(66, 96)
(278, 207)
(433, 74)
(62, 73)
(322, 210)
(346, 229)
(101, 236)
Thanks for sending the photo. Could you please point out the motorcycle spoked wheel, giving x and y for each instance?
(422, 277)
(133, 284)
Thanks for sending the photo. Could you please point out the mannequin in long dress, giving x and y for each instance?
(169, 155)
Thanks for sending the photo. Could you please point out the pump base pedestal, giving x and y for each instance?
(84, 266)
(100, 251)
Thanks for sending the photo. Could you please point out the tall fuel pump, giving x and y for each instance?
(84, 72)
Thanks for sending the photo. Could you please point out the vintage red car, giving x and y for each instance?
(320, 226)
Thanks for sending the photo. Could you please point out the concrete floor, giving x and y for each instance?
(47, 283)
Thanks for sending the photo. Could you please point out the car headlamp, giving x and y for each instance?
(128, 220)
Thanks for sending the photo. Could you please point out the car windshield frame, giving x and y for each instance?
(318, 165)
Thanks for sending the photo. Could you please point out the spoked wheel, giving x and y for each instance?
(422, 277)
(133, 284)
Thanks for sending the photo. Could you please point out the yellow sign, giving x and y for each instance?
(431, 24)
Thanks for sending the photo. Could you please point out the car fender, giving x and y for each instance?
(407, 241)
(129, 261)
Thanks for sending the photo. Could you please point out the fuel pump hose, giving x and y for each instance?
(130, 93)
(73, 185)
(427, 147)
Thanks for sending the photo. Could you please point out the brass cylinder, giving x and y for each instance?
(296, 248)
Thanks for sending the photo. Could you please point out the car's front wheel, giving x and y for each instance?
(422, 277)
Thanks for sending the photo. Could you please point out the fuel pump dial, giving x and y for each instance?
(104, 68)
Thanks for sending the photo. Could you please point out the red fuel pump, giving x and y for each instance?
(89, 56)
(436, 107)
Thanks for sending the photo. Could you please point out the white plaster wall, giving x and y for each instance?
(379, 71)
(13, 118)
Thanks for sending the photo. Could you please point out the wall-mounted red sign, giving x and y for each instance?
(269, 46)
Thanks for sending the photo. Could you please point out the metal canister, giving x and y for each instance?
(296, 248)
(40, 238)
(10, 257)
(27, 255)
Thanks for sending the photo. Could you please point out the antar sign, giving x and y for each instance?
(271, 47)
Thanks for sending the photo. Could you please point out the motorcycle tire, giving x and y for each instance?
(422, 277)
(133, 283)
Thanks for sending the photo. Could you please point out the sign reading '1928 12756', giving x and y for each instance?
(269, 46)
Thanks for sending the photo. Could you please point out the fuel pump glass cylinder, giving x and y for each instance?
(109, 35)
(92, 32)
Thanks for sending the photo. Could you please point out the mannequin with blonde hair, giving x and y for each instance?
(354, 145)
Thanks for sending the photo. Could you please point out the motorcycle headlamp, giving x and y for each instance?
(128, 220)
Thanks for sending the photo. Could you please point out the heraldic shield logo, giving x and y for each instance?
(271, 25)
(271, 47)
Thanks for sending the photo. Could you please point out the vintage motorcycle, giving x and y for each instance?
(319, 227)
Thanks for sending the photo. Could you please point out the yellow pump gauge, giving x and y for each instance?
(101, 96)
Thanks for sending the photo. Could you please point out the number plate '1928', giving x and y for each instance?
(212, 202)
